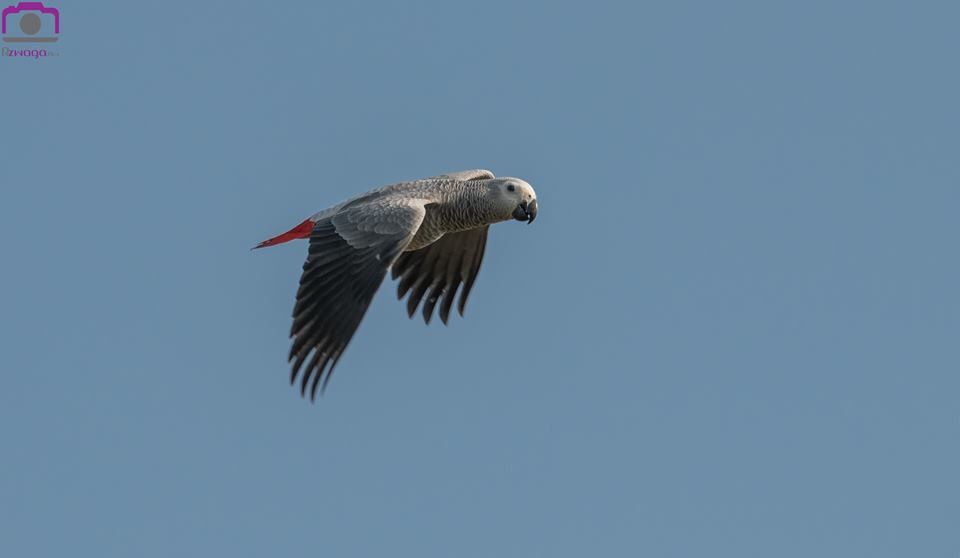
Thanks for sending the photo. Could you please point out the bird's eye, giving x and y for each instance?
(511, 187)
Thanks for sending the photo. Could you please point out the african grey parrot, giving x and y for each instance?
(431, 231)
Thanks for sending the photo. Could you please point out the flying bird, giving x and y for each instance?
(431, 233)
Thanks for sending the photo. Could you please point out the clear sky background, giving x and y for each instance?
(732, 331)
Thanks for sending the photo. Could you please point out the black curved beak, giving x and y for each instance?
(526, 211)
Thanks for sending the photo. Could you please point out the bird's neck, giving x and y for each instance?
(463, 208)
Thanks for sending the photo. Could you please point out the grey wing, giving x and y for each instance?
(349, 255)
(464, 176)
(441, 268)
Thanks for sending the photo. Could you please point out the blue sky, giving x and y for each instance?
(732, 330)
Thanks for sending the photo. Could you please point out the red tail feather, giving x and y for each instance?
(302, 230)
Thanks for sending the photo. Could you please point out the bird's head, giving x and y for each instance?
(513, 199)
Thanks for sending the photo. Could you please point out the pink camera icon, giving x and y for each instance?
(30, 18)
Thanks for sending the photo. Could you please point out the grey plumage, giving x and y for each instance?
(441, 268)
(433, 232)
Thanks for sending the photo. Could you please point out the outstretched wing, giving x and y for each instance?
(350, 253)
(441, 268)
